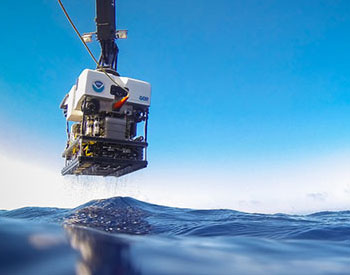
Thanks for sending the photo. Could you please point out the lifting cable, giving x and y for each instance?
(89, 51)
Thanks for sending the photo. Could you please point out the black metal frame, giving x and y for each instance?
(102, 166)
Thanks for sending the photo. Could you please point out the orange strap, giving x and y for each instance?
(120, 103)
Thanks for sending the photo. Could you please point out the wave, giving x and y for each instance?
(131, 216)
(125, 236)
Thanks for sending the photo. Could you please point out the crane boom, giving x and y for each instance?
(106, 33)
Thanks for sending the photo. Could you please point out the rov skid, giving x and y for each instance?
(106, 114)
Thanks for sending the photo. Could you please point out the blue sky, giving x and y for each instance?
(237, 85)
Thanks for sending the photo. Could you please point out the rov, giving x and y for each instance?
(104, 111)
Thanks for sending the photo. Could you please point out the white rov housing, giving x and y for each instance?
(98, 85)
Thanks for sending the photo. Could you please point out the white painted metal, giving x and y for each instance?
(97, 84)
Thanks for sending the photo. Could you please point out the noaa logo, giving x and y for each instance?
(144, 98)
(98, 86)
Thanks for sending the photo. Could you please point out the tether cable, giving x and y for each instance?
(77, 32)
(88, 49)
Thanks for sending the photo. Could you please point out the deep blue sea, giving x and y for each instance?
(122, 235)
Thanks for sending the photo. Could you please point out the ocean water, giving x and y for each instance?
(122, 235)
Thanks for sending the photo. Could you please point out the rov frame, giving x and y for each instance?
(116, 150)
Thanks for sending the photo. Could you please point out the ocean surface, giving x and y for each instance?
(122, 235)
